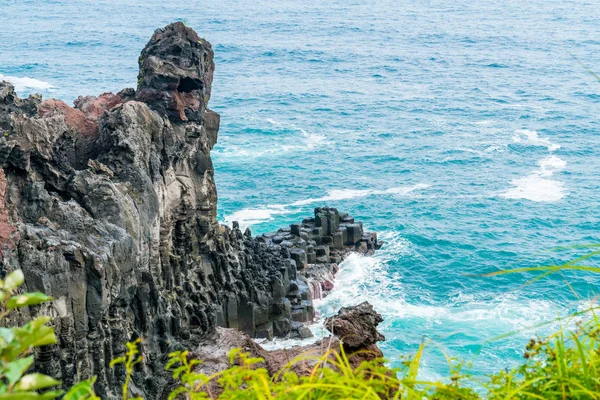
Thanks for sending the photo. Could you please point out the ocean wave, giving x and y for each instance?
(345, 194)
(361, 278)
(371, 279)
(494, 148)
(252, 216)
(471, 318)
(531, 138)
(26, 83)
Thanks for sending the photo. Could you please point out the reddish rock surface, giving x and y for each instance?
(74, 118)
(93, 107)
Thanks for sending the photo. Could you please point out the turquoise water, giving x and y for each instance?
(466, 134)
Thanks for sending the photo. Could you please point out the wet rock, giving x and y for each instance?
(355, 233)
(356, 326)
(304, 332)
(281, 327)
(299, 257)
(295, 229)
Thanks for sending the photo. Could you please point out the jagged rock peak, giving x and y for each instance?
(176, 73)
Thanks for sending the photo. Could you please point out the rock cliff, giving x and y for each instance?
(110, 207)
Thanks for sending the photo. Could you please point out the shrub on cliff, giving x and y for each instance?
(565, 365)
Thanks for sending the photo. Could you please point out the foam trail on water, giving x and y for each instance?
(251, 216)
(26, 83)
(537, 186)
(531, 138)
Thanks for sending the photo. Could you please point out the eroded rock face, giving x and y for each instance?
(112, 210)
(176, 73)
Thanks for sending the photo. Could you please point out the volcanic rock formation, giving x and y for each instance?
(110, 207)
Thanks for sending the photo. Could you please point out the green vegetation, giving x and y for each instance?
(17, 344)
(564, 365)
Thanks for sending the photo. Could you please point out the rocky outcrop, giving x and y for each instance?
(112, 210)
(357, 328)
(357, 323)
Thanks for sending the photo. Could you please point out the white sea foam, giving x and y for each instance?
(495, 148)
(551, 164)
(369, 279)
(312, 139)
(537, 186)
(345, 194)
(531, 138)
(25, 83)
(251, 216)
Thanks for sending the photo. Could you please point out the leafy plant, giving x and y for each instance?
(332, 377)
(82, 391)
(129, 360)
(18, 343)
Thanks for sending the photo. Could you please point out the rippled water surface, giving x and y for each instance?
(464, 132)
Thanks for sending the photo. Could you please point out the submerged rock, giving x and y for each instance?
(110, 207)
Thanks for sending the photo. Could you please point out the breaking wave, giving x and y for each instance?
(25, 83)
(252, 216)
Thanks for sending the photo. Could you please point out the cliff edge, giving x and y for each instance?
(110, 208)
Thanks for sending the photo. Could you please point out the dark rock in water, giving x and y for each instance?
(112, 206)
(356, 326)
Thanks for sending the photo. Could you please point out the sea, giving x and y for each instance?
(464, 132)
